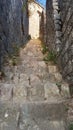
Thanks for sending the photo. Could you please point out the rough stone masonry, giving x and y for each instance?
(59, 33)
(13, 25)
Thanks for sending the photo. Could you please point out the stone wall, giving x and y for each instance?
(42, 30)
(66, 53)
(50, 28)
(13, 24)
(59, 15)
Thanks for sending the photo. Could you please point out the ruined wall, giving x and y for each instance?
(13, 24)
(60, 34)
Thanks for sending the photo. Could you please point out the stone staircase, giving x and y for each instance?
(30, 97)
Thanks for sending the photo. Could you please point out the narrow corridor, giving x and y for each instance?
(30, 96)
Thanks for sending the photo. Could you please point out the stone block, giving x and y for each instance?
(12, 23)
(36, 93)
(6, 91)
(42, 116)
(52, 69)
(51, 91)
(58, 76)
(8, 116)
(42, 64)
(65, 90)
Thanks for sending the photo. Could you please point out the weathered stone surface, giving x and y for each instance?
(20, 91)
(55, 4)
(13, 25)
(8, 116)
(6, 91)
(58, 34)
(56, 7)
(32, 99)
(32, 116)
(39, 108)
(59, 30)
(58, 42)
(36, 91)
(9, 73)
(67, 49)
(42, 125)
(16, 78)
(57, 27)
(52, 69)
(50, 28)
(41, 116)
(42, 64)
(33, 80)
(57, 16)
(51, 90)
(58, 76)
(65, 90)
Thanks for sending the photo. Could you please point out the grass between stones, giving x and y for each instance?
(49, 55)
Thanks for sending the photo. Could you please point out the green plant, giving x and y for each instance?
(71, 126)
(51, 56)
(14, 56)
(14, 61)
(16, 50)
(66, 108)
(44, 49)
(23, 7)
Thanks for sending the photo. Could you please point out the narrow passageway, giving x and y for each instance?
(36, 76)
(30, 96)
(32, 78)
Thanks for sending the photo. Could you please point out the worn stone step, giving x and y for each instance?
(33, 89)
(33, 116)
(48, 110)
(9, 113)
(56, 90)
(52, 68)
(6, 91)
(43, 116)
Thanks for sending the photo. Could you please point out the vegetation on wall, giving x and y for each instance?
(44, 49)
(15, 55)
(71, 126)
(49, 55)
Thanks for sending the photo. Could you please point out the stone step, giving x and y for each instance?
(56, 90)
(43, 116)
(47, 110)
(8, 116)
(33, 89)
(33, 116)
(6, 91)
(52, 68)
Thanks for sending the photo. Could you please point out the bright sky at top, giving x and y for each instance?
(43, 2)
